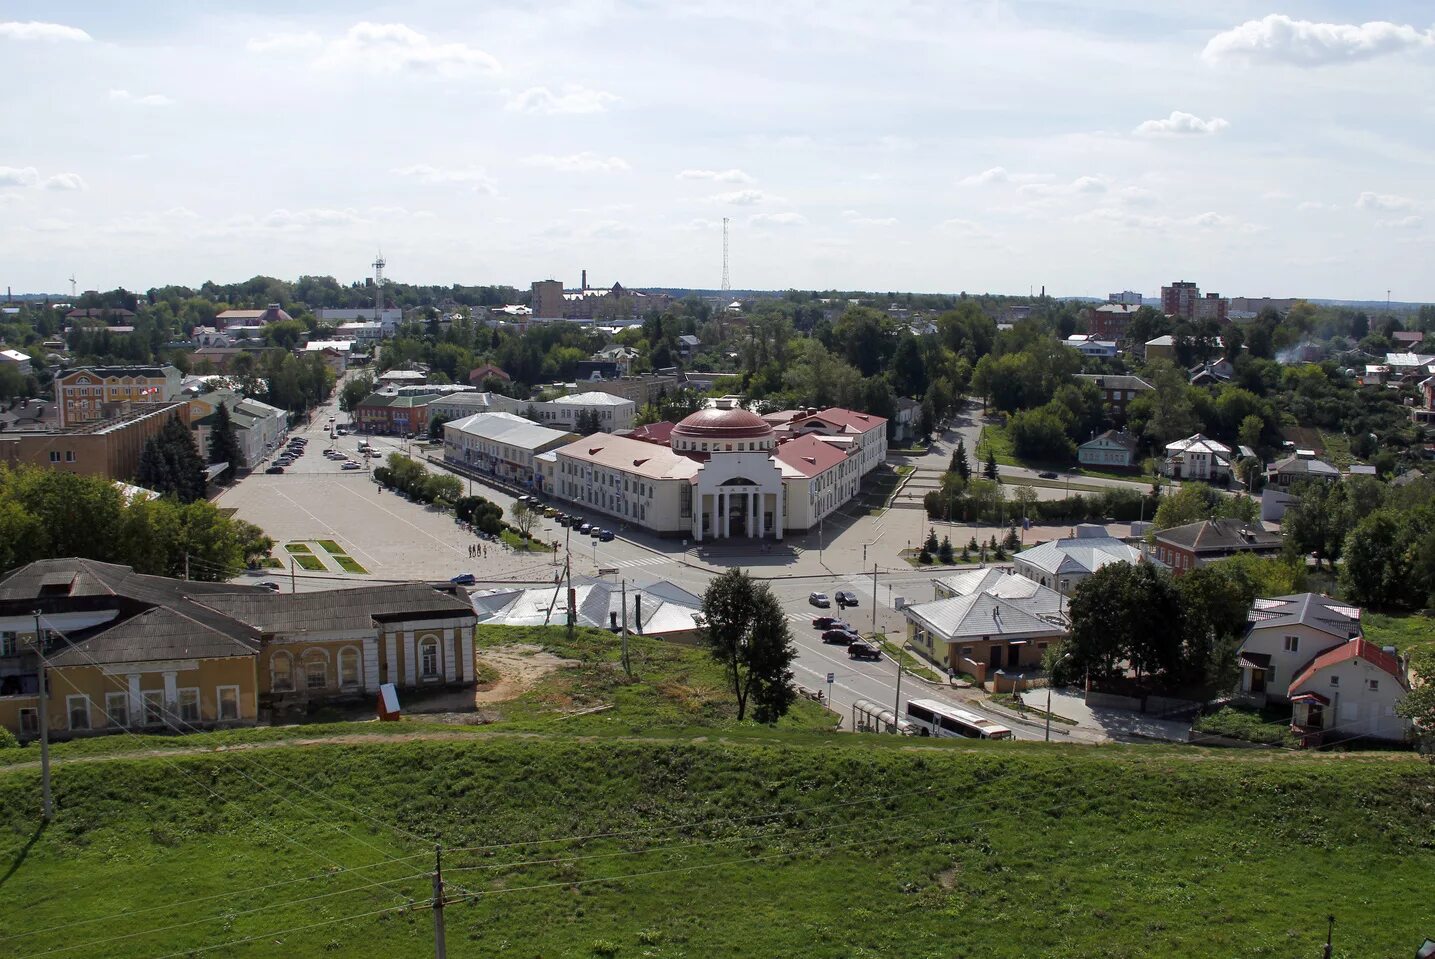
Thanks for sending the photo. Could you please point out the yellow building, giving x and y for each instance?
(128, 651)
(84, 395)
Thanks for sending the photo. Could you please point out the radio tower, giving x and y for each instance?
(379, 265)
(72, 283)
(726, 286)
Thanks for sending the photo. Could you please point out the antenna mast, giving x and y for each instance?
(726, 286)
(379, 264)
(72, 282)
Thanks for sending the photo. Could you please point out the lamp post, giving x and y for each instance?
(1048, 694)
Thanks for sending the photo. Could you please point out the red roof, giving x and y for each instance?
(1353, 649)
(715, 424)
(477, 376)
(809, 455)
(660, 433)
(849, 421)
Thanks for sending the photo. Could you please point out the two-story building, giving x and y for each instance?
(503, 445)
(1117, 390)
(1183, 548)
(1110, 449)
(84, 394)
(1198, 457)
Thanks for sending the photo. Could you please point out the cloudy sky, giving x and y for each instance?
(931, 145)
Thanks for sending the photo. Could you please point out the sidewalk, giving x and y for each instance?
(1118, 724)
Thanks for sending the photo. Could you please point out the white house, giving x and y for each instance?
(1112, 448)
(613, 412)
(1197, 457)
(1062, 564)
(1284, 635)
(15, 360)
(501, 444)
(388, 319)
(1350, 691)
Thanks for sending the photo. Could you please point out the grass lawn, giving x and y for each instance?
(1407, 633)
(329, 546)
(310, 563)
(910, 662)
(800, 844)
(519, 544)
(995, 437)
(1270, 726)
(298, 548)
(348, 564)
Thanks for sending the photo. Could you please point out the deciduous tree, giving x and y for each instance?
(746, 631)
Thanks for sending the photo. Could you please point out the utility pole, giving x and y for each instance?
(1329, 932)
(897, 707)
(293, 577)
(874, 600)
(627, 666)
(568, 570)
(186, 566)
(440, 943)
(46, 806)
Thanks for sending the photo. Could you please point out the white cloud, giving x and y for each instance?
(426, 173)
(383, 48)
(744, 198)
(585, 162)
(1082, 185)
(995, 174)
(1135, 196)
(857, 219)
(64, 181)
(776, 219)
(1411, 222)
(1383, 201)
(147, 100)
(718, 176)
(542, 101)
(36, 30)
(1180, 124)
(1279, 39)
(30, 178)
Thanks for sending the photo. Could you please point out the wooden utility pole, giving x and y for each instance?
(627, 664)
(568, 570)
(440, 943)
(46, 806)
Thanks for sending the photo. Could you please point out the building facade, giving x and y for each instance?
(1111, 448)
(91, 393)
(502, 445)
(110, 448)
(1183, 548)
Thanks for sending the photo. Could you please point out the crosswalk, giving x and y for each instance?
(635, 563)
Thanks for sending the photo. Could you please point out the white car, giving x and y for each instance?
(819, 600)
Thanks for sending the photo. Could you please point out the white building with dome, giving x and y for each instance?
(723, 474)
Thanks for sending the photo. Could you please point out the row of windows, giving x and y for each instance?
(154, 710)
(313, 669)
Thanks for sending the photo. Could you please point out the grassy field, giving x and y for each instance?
(521, 545)
(1407, 633)
(309, 562)
(803, 845)
(329, 546)
(995, 437)
(348, 564)
(298, 548)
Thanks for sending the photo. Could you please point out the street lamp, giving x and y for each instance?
(1048, 693)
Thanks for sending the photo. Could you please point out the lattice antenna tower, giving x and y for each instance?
(72, 286)
(726, 285)
(379, 264)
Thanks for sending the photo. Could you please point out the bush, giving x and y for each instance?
(1266, 728)
(8, 740)
(924, 557)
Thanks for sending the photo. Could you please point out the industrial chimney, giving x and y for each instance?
(585, 280)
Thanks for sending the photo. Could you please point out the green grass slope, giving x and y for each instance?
(726, 844)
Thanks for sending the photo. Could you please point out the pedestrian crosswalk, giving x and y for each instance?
(634, 563)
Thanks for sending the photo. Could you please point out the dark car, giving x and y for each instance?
(840, 636)
(845, 598)
(274, 469)
(606, 535)
(861, 649)
(586, 528)
(825, 622)
(1047, 474)
(563, 519)
(464, 579)
(270, 585)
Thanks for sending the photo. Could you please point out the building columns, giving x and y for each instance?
(410, 657)
(466, 667)
(449, 654)
(136, 698)
(754, 507)
(722, 510)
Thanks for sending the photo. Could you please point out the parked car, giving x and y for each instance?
(1047, 474)
(595, 531)
(845, 598)
(840, 636)
(270, 585)
(819, 600)
(549, 512)
(351, 466)
(861, 649)
(274, 469)
(585, 529)
(464, 579)
(606, 535)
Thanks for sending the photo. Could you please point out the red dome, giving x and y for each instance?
(715, 424)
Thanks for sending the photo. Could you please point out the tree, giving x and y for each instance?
(1191, 503)
(990, 470)
(960, 466)
(746, 631)
(223, 442)
(930, 545)
(170, 463)
(436, 424)
(525, 518)
(355, 390)
(1126, 613)
(1419, 703)
(1039, 435)
(1214, 605)
(944, 551)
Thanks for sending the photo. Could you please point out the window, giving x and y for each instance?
(29, 722)
(117, 709)
(79, 709)
(316, 669)
(1373, 685)
(1335, 680)
(153, 707)
(54, 456)
(1292, 644)
(69, 456)
(189, 705)
(428, 653)
(281, 671)
(9, 644)
(228, 702)
(349, 667)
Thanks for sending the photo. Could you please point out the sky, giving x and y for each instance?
(1088, 146)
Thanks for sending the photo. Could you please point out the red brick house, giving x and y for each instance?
(1184, 548)
(393, 415)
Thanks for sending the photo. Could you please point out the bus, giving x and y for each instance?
(932, 718)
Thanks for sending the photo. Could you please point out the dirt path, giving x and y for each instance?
(520, 666)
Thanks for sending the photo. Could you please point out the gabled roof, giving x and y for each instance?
(1305, 466)
(980, 615)
(1082, 554)
(1115, 381)
(845, 420)
(1115, 438)
(339, 610)
(1308, 609)
(1198, 442)
(500, 427)
(1028, 594)
(808, 456)
(159, 633)
(1219, 535)
(1353, 649)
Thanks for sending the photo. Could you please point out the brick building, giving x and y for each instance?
(110, 448)
(91, 393)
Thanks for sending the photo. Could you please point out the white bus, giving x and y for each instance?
(932, 718)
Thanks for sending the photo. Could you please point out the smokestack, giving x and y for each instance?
(585, 279)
